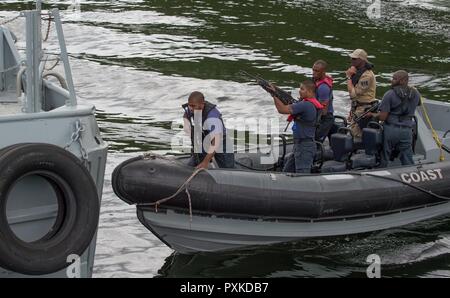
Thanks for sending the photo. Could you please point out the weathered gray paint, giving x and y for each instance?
(33, 53)
(9, 64)
(31, 206)
(64, 57)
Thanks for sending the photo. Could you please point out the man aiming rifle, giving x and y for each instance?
(305, 113)
(285, 97)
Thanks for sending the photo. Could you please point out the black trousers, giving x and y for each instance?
(325, 125)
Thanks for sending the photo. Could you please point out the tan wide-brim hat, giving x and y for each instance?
(359, 53)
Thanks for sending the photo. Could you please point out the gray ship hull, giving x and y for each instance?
(30, 218)
(52, 163)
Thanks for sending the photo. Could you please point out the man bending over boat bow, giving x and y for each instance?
(208, 133)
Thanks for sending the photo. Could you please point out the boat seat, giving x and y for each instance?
(328, 154)
(342, 146)
(339, 122)
(333, 166)
(324, 153)
(363, 161)
(358, 145)
(372, 141)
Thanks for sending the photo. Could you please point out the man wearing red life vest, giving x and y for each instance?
(305, 113)
(324, 94)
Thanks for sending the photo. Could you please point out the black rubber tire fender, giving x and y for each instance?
(78, 208)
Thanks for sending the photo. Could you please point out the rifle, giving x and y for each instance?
(285, 97)
(363, 115)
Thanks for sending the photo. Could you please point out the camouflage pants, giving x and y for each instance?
(356, 127)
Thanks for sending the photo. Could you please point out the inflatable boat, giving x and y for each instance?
(254, 204)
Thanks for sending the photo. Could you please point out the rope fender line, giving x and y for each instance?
(47, 34)
(184, 187)
(433, 131)
(6, 21)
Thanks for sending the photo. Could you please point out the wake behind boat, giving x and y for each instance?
(221, 209)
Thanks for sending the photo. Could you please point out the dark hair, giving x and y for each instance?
(321, 62)
(402, 75)
(196, 96)
(308, 84)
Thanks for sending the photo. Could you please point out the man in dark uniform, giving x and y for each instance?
(208, 133)
(397, 110)
(304, 129)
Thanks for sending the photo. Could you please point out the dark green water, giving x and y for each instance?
(138, 60)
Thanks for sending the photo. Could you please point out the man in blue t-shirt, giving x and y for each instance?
(210, 140)
(324, 94)
(397, 110)
(304, 129)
